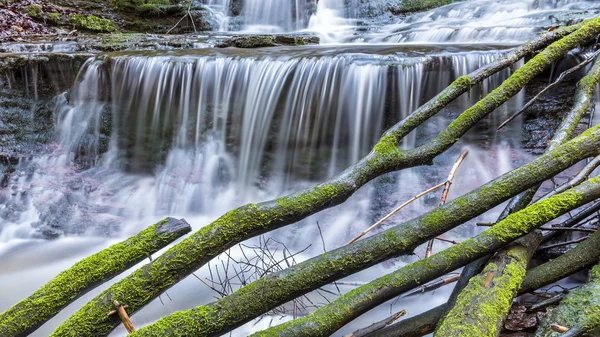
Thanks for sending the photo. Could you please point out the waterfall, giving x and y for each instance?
(163, 135)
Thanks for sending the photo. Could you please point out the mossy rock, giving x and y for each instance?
(407, 6)
(92, 23)
(289, 40)
(137, 5)
(34, 11)
(252, 41)
(52, 17)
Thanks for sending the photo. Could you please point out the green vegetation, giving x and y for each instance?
(92, 23)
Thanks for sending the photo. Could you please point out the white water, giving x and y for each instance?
(193, 136)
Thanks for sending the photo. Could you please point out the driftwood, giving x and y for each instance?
(30, 313)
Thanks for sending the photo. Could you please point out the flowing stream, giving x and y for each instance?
(194, 133)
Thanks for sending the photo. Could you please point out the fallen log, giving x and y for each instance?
(222, 315)
(33, 311)
(482, 308)
(585, 255)
(326, 320)
(579, 311)
(583, 101)
(251, 220)
(483, 305)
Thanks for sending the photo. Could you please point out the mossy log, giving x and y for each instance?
(247, 221)
(326, 320)
(579, 310)
(483, 305)
(583, 99)
(277, 288)
(583, 256)
(33, 311)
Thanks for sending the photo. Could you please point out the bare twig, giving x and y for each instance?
(433, 285)
(377, 326)
(448, 183)
(560, 78)
(563, 243)
(578, 179)
(577, 229)
(396, 210)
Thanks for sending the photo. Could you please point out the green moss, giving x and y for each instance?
(49, 299)
(138, 5)
(52, 17)
(420, 5)
(92, 23)
(580, 308)
(34, 11)
(481, 308)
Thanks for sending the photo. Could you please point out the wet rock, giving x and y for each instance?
(260, 41)
(249, 41)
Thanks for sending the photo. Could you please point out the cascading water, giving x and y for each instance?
(193, 134)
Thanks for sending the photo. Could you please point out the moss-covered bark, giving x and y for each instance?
(482, 309)
(579, 310)
(245, 222)
(483, 305)
(585, 255)
(278, 288)
(326, 320)
(33, 311)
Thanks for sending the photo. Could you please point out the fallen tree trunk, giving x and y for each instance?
(483, 305)
(278, 288)
(579, 311)
(482, 308)
(583, 100)
(248, 221)
(326, 320)
(33, 311)
(585, 255)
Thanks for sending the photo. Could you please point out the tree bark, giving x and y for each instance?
(33, 311)
(579, 310)
(326, 320)
(583, 100)
(583, 256)
(248, 221)
(484, 313)
(483, 305)
(326, 268)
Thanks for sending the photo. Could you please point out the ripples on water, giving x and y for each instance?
(194, 134)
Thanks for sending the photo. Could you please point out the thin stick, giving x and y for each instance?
(433, 285)
(578, 179)
(396, 211)
(589, 230)
(563, 243)
(377, 326)
(448, 183)
(449, 241)
(555, 83)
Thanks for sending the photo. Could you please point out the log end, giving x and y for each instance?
(173, 226)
